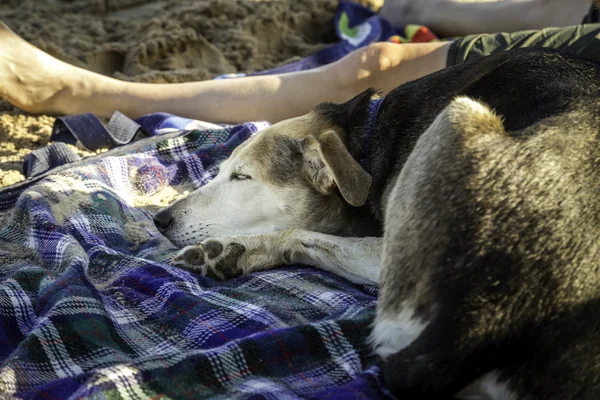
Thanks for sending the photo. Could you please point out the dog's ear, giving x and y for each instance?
(328, 164)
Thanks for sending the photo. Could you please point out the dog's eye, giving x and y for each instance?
(239, 177)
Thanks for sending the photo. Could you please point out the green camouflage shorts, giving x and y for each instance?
(582, 40)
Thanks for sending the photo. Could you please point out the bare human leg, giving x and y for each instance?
(465, 17)
(39, 83)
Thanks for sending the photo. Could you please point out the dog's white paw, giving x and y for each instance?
(215, 258)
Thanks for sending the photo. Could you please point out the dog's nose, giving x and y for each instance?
(163, 220)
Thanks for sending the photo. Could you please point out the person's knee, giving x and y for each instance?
(379, 57)
(361, 67)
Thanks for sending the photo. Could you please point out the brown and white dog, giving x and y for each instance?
(471, 196)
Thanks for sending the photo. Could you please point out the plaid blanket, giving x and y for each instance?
(90, 307)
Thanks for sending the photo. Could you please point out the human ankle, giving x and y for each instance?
(87, 92)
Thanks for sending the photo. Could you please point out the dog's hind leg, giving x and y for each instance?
(421, 315)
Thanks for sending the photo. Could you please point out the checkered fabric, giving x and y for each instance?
(90, 307)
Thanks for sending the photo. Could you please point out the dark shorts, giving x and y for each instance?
(582, 40)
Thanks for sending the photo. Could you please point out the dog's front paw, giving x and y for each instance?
(215, 258)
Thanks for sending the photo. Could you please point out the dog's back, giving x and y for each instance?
(522, 86)
(491, 231)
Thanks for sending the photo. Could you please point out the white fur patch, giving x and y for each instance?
(468, 107)
(487, 387)
(391, 335)
(473, 118)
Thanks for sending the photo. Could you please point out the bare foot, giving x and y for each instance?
(32, 79)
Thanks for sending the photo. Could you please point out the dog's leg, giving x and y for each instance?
(356, 259)
(432, 324)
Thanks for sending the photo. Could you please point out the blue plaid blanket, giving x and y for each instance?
(90, 307)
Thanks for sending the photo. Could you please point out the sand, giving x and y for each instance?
(157, 41)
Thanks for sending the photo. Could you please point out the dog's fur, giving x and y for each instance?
(484, 181)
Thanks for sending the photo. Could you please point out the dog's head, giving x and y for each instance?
(297, 173)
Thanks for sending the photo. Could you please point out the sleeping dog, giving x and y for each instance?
(470, 196)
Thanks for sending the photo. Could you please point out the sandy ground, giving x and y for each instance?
(157, 41)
